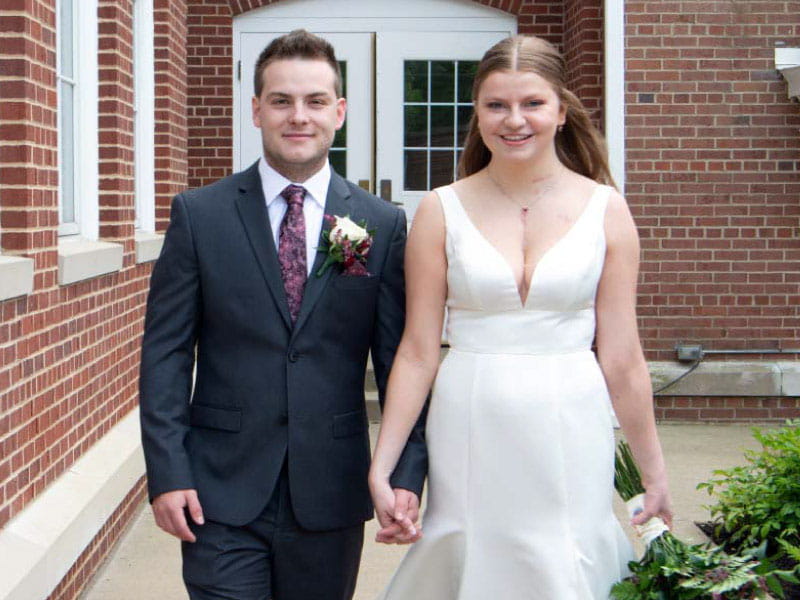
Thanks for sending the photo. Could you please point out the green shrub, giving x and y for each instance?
(760, 502)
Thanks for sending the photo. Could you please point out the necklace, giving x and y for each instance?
(524, 208)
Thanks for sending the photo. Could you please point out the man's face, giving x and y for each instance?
(298, 114)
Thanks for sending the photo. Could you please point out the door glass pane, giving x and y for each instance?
(338, 154)
(416, 80)
(443, 81)
(442, 167)
(466, 75)
(442, 127)
(416, 169)
(416, 126)
(437, 109)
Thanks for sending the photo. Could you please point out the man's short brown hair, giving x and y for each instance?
(297, 44)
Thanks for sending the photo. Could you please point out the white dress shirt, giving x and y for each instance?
(273, 183)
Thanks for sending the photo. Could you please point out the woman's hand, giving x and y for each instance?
(657, 503)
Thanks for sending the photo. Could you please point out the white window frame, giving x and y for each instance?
(84, 145)
(144, 119)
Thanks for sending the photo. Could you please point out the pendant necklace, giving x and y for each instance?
(524, 208)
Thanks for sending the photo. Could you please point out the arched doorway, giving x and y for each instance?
(408, 72)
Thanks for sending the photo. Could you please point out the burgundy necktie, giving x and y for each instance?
(292, 248)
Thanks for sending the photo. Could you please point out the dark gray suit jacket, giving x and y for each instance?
(266, 391)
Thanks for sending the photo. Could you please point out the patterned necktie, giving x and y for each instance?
(292, 248)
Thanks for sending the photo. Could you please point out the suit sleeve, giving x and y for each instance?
(168, 354)
(390, 319)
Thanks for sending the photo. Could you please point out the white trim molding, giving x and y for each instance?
(41, 544)
(787, 61)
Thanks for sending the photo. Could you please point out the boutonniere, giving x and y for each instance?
(348, 243)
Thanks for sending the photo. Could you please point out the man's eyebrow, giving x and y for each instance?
(320, 93)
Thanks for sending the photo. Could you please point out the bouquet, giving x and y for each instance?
(673, 570)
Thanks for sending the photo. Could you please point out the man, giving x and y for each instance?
(263, 474)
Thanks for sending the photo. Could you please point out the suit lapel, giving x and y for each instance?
(337, 203)
(253, 211)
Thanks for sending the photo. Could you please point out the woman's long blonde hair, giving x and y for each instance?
(579, 144)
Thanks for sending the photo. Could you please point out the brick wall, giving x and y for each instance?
(712, 162)
(69, 354)
(583, 51)
(170, 105)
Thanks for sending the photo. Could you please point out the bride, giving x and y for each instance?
(535, 256)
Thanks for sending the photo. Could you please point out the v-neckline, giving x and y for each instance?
(524, 302)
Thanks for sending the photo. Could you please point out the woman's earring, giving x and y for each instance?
(560, 128)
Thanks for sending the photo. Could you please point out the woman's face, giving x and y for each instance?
(518, 115)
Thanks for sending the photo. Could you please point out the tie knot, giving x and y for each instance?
(294, 194)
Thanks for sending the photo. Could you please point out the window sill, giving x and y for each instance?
(148, 246)
(81, 259)
(16, 276)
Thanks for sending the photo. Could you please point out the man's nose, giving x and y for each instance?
(299, 113)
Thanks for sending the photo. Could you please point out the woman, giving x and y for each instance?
(535, 257)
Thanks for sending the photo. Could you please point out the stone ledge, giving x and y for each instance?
(81, 259)
(148, 246)
(42, 543)
(728, 378)
(16, 276)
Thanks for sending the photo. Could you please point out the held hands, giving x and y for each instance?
(170, 509)
(398, 512)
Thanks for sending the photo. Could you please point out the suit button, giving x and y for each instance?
(293, 356)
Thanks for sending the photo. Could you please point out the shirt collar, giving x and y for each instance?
(273, 183)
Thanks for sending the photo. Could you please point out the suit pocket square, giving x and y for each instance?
(213, 417)
(348, 424)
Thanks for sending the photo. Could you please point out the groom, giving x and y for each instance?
(259, 463)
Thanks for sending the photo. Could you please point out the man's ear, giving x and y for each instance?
(341, 112)
(256, 117)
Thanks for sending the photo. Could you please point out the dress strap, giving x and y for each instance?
(450, 205)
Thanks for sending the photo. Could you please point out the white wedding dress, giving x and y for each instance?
(519, 432)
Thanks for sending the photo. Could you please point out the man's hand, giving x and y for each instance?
(168, 509)
(403, 527)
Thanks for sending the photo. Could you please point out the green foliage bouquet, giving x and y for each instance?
(673, 570)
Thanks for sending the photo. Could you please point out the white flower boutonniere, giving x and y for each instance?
(348, 243)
